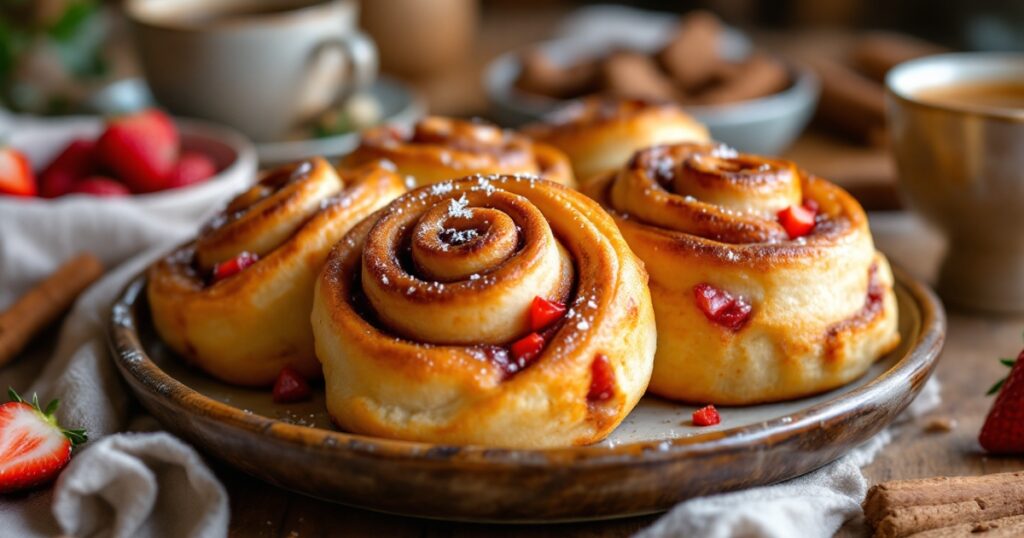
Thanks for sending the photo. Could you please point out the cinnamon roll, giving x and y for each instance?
(236, 301)
(503, 311)
(766, 282)
(437, 149)
(600, 134)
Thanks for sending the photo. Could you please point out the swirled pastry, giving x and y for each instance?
(506, 311)
(766, 281)
(437, 149)
(599, 134)
(236, 301)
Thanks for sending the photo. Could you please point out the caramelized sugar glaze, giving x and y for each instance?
(746, 312)
(438, 149)
(423, 311)
(243, 326)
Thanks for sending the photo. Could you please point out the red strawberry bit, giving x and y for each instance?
(191, 168)
(234, 266)
(706, 416)
(33, 447)
(544, 312)
(526, 349)
(100, 186)
(141, 149)
(797, 220)
(721, 307)
(1003, 431)
(16, 178)
(76, 162)
(602, 379)
(291, 386)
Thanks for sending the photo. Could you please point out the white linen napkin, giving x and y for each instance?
(814, 505)
(118, 484)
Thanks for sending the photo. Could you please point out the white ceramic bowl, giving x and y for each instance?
(41, 140)
(765, 126)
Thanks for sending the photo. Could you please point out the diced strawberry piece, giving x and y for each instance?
(602, 379)
(544, 312)
(290, 386)
(234, 265)
(1003, 431)
(811, 205)
(706, 416)
(76, 162)
(191, 168)
(100, 186)
(797, 220)
(34, 447)
(721, 307)
(526, 349)
(141, 149)
(16, 177)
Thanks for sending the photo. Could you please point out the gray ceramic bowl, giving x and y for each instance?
(765, 126)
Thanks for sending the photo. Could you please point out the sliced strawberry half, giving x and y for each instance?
(33, 447)
(1003, 431)
(141, 149)
(16, 177)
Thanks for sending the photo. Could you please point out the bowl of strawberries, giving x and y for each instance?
(145, 155)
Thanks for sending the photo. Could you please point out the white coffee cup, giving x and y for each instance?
(262, 66)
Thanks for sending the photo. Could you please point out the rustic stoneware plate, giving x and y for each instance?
(655, 459)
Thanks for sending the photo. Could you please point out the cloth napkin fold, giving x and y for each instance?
(814, 505)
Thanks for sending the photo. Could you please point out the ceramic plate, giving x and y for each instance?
(652, 461)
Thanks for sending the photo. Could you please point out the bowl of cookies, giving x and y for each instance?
(749, 99)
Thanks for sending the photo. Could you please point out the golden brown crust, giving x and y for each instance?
(409, 356)
(438, 149)
(599, 134)
(823, 309)
(245, 328)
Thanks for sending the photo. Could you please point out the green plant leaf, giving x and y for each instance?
(995, 388)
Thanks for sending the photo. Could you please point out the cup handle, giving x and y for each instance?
(360, 54)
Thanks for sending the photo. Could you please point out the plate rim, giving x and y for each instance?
(919, 359)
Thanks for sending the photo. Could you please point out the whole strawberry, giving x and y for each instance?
(33, 447)
(141, 149)
(1003, 432)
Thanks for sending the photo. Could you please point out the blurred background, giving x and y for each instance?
(495, 59)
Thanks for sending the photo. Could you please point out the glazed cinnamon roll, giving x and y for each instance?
(501, 311)
(600, 134)
(766, 281)
(236, 301)
(437, 149)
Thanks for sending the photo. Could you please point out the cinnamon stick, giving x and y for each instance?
(1006, 527)
(850, 102)
(44, 303)
(905, 507)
